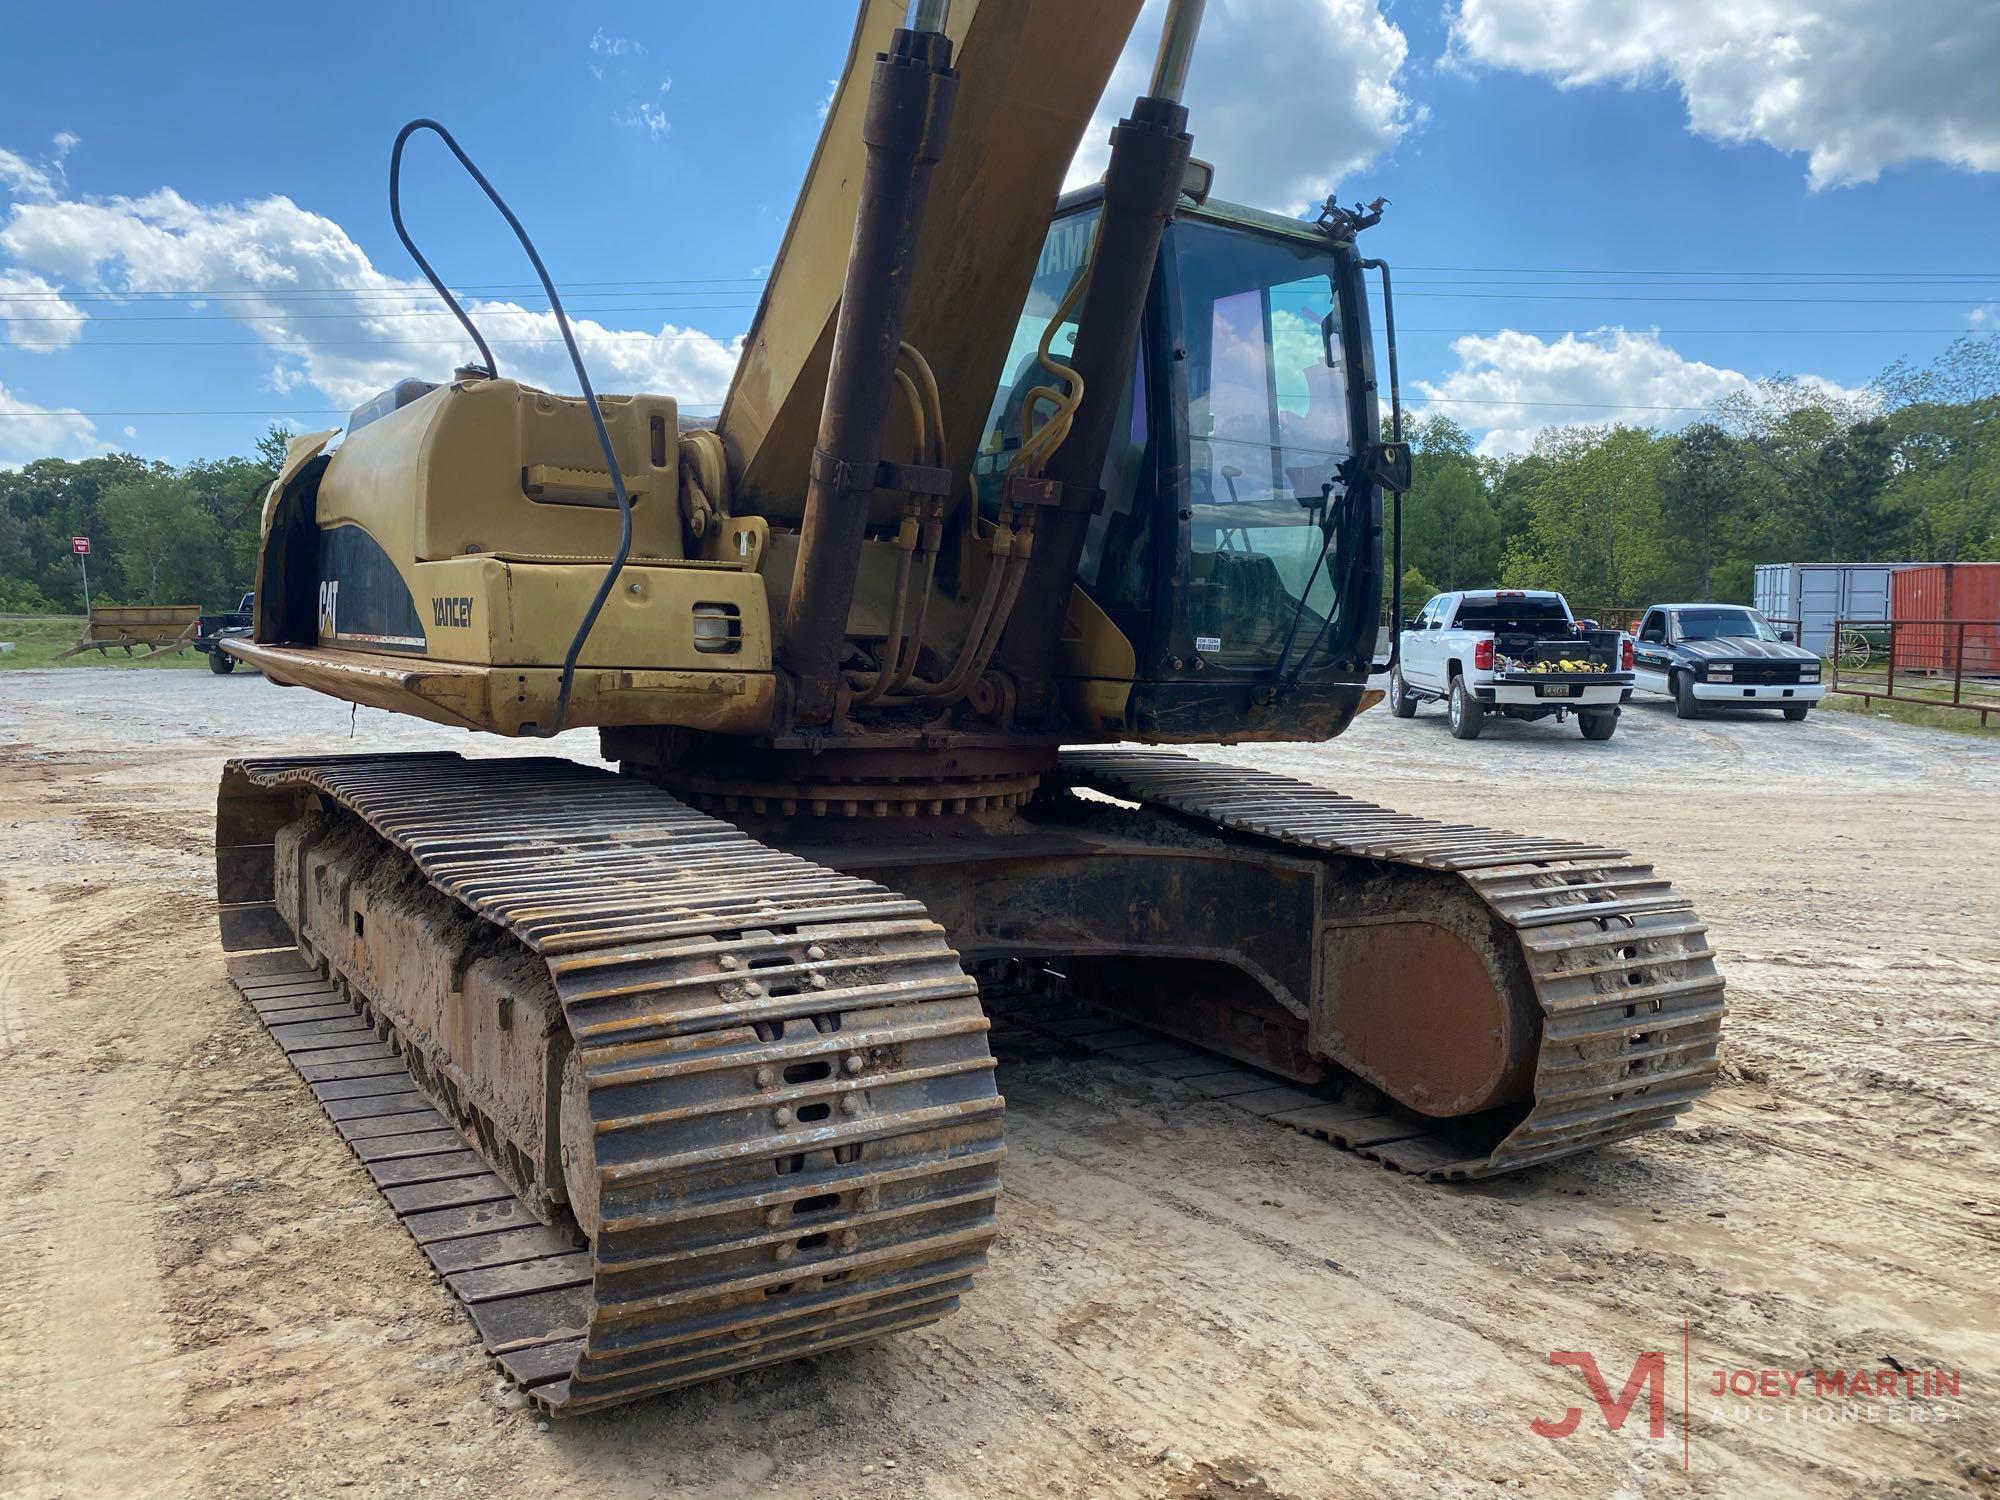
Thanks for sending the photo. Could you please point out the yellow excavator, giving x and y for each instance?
(683, 1069)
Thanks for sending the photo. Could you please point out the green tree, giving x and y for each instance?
(51, 500)
(1596, 530)
(211, 561)
(1417, 591)
(230, 492)
(1509, 482)
(1826, 459)
(271, 447)
(1703, 497)
(167, 544)
(1944, 425)
(1450, 531)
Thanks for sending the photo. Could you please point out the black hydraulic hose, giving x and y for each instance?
(610, 580)
(396, 218)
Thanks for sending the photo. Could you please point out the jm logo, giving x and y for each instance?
(1649, 1374)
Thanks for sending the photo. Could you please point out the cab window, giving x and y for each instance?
(1116, 566)
(1267, 433)
(1655, 628)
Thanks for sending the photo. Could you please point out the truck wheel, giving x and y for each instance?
(1686, 705)
(1402, 702)
(221, 662)
(1468, 714)
(1597, 726)
(1796, 711)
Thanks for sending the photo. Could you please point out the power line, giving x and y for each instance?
(1552, 405)
(723, 338)
(651, 338)
(1680, 332)
(297, 411)
(320, 411)
(1755, 278)
(382, 316)
(310, 295)
(1686, 271)
(370, 316)
(359, 290)
(1988, 287)
(1767, 301)
(303, 411)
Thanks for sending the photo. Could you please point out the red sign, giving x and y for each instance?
(80, 545)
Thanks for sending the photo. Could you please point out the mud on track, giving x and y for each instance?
(201, 1294)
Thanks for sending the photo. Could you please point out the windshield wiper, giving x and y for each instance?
(1299, 609)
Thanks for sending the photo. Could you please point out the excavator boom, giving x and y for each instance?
(1030, 73)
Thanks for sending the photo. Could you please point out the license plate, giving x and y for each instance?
(1558, 690)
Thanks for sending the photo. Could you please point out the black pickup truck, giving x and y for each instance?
(215, 629)
(1724, 656)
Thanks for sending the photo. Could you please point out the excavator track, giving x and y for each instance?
(1631, 1005)
(743, 1220)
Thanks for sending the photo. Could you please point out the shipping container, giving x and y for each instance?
(1968, 592)
(1818, 594)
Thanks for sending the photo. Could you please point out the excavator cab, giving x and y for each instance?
(1238, 547)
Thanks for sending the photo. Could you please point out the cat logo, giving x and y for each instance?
(452, 611)
(329, 598)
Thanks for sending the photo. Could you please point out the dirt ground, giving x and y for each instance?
(201, 1293)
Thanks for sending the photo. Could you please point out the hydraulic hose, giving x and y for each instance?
(610, 579)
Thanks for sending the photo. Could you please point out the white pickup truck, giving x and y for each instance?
(1517, 652)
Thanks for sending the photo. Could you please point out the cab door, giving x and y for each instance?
(1421, 656)
(1651, 659)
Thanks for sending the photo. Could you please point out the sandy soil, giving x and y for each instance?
(201, 1294)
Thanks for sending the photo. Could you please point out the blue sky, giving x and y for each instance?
(1598, 210)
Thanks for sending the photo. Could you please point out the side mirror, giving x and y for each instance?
(1410, 624)
(1786, 636)
(1388, 464)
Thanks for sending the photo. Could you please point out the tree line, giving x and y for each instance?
(1788, 471)
(159, 534)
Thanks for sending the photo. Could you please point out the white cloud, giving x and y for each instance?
(298, 281)
(1512, 385)
(826, 104)
(23, 178)
(44, 431)
(34, 315)
(615, 46)
(1286, 97)
(26, 179)
(645, 116)
(1856, 85)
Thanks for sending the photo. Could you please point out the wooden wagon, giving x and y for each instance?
(139, 629)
